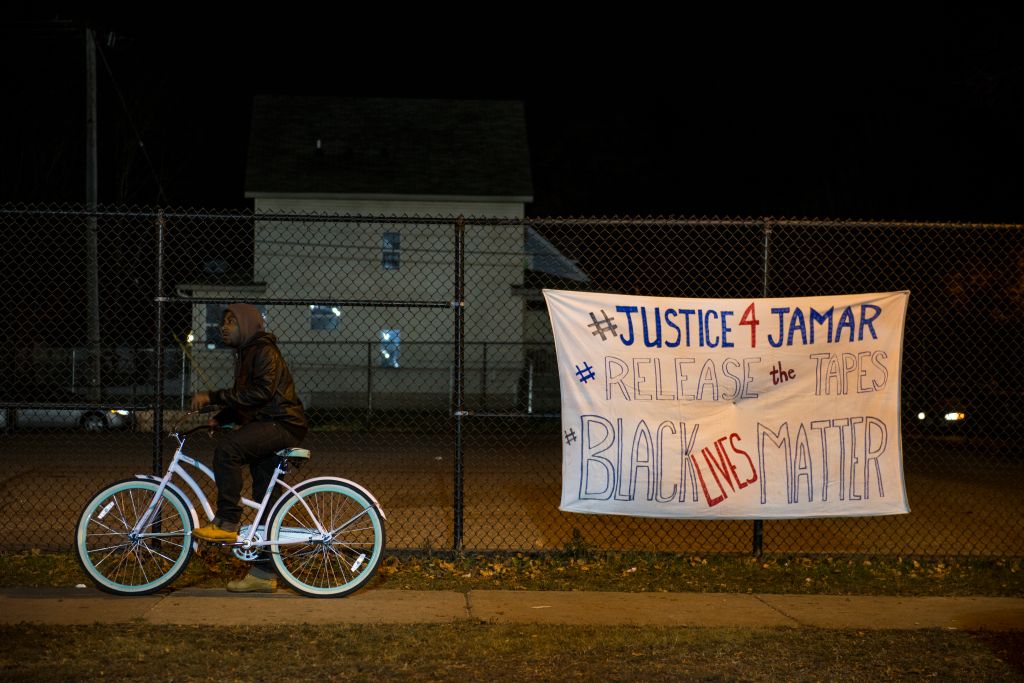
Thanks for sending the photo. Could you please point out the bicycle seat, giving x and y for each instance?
(294, 453)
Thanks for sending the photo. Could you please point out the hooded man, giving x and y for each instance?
(264, 403)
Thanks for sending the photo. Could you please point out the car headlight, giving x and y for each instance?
(954, 417)
(120, 412)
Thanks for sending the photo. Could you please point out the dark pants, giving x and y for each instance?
(254, 445)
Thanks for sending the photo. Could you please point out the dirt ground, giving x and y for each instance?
(511, 489)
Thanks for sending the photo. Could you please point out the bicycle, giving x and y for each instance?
(325, 535)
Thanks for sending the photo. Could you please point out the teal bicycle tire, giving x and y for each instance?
(118, 564)
(336, 567)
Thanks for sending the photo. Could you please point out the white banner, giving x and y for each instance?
(730, 408)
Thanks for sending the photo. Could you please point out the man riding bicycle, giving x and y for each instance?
(264, 404)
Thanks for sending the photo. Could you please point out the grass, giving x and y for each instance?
(478, 651)
(472, 650)
(606, 571)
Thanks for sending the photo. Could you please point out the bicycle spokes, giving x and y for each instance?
(123, 559)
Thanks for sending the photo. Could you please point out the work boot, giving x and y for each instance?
(252, 584)
(217, 532)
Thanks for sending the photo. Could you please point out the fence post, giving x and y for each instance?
(460, 346)
(483, 379)
(529, 385)
(369, 383)
(758, 541)
(92, 288)
(158, 398)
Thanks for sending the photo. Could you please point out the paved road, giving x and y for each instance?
(194, 606)
(967, 506)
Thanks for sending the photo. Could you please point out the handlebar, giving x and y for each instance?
(189, 432)
(181, 420)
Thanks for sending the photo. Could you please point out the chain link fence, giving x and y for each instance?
(449, 411)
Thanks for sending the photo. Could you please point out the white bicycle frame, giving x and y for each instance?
(289, 535)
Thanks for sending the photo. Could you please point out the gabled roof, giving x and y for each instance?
(542, 257)
(392, 147)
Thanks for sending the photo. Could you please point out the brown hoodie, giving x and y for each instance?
(263, 388)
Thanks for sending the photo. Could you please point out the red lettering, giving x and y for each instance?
(722, 463)
(750, 318)
(736, 449)
(712, 502)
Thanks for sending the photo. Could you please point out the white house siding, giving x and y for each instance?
(338, 260)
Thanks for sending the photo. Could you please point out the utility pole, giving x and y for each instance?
(91, 194)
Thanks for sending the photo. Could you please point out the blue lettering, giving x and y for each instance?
(845, 321)
(707, 329)
(867, 321)
(687, 312)
(657, 328)
(669, 314)
(796, 323)
(821, 319)
(781, 312)
(726, 344)
(627, 339)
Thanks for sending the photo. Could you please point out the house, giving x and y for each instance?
(313, 161)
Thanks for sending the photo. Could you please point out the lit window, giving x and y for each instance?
(214, 313)
(390, 341)
(325, 318)
(391, 249)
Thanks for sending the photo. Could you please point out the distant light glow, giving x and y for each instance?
(921, 416)
(954, 417)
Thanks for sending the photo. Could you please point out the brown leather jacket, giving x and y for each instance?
(263, 389)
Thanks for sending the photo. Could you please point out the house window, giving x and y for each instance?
(390, 341)
(214, 313)
(324, 318)
(391, 249)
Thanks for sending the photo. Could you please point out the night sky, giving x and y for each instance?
(845, 117)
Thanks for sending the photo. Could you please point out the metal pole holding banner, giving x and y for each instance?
(158, 402)
(767, 228)
(459, 380)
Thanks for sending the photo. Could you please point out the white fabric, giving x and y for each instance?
(730, 408)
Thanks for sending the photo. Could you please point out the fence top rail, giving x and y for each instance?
(238, 215)
(64, 405)
(156, 214)
(348, 303)
(760, 223)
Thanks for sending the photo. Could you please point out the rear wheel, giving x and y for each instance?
(339, 555)
(120, 560)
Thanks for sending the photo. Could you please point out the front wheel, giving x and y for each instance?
(336, 556)
(120, 560)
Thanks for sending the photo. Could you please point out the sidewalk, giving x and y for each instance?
(194, 606)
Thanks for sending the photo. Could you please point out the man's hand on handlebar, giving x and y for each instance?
(201, 403)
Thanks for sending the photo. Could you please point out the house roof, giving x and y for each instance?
(394, 147)
(542, 257)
